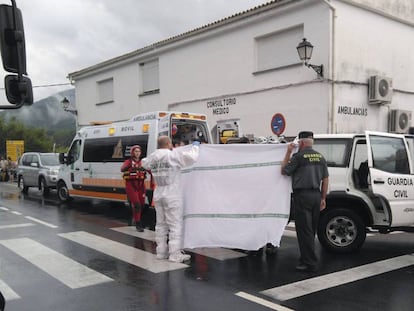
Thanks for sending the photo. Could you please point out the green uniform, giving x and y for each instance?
(307, 168)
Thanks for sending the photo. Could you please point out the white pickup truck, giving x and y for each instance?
(371, 187)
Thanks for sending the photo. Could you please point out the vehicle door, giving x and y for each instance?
(164, 124)
(74, 164)
(32, 170)
(391, 175)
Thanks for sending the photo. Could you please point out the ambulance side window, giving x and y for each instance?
(113, 149)
(74, 152)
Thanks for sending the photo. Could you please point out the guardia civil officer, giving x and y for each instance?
(310, 179)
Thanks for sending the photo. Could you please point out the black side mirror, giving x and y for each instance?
(13, 49)
(13, 52)
(61, 158)
(18, 91)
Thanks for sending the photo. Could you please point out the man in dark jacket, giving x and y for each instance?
(310, 179)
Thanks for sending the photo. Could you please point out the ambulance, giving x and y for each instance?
(91, 167)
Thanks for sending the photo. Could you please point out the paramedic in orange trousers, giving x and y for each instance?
(134, 175)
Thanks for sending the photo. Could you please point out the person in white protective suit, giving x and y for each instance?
(165, 164)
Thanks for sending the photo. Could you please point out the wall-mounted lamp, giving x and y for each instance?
(65, 104)
(305, 49)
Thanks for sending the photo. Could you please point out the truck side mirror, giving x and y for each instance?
(13, 53)
(61, 158)
(18, 92)
(13, 50)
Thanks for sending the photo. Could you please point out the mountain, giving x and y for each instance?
(47, 113)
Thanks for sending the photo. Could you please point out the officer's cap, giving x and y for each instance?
(305, 134)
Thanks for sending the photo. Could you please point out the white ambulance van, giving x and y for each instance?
(91, 167)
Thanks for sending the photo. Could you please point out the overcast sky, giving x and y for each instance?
(63, 36)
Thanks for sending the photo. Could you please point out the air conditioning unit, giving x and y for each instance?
(400, 121)
(379, 90)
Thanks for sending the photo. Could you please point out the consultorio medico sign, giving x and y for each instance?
(221, 106)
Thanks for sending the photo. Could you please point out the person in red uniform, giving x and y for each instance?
(134, 175)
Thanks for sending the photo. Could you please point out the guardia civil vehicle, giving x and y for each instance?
(371, 187)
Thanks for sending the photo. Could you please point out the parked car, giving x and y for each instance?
(39, 170)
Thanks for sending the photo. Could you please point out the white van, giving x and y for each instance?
(91, 167)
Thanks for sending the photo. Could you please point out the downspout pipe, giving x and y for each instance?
(332, 123)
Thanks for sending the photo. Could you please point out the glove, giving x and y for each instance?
(196, 143)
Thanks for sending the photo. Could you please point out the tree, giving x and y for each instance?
(35, 139)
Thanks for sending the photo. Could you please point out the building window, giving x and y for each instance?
(105, 91)
(149, 77)
(278, 49)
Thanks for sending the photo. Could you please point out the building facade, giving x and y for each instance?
(246, 66)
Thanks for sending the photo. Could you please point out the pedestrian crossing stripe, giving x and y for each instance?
(41, 222)
(8, 293)
(74, 274)
(217, 253)
(16, 226)
(129, 254)
(263, 302)
(312, 285)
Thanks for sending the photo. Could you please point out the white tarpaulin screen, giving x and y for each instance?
(236, 197)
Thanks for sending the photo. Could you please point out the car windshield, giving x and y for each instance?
(50, 159)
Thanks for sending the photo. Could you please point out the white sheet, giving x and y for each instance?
(236, 197)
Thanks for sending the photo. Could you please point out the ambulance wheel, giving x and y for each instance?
(63, 192)
(341, 230)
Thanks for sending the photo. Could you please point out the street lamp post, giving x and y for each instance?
(305, 49)
(65, 104)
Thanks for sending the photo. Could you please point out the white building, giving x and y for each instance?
(246, 66)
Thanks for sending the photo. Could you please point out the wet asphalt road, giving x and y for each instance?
(83, 256)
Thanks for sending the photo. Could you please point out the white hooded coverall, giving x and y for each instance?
(166, 166)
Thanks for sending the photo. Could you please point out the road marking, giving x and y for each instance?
(308, 286)
(16, 226)
(7, 292)
(131, 230)
(375, 234)
(132, 255)
(289, 233)
(218, 253)
(41, 222)
(3, 208)
(262, 302)
(16, 213)
(62, 268)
